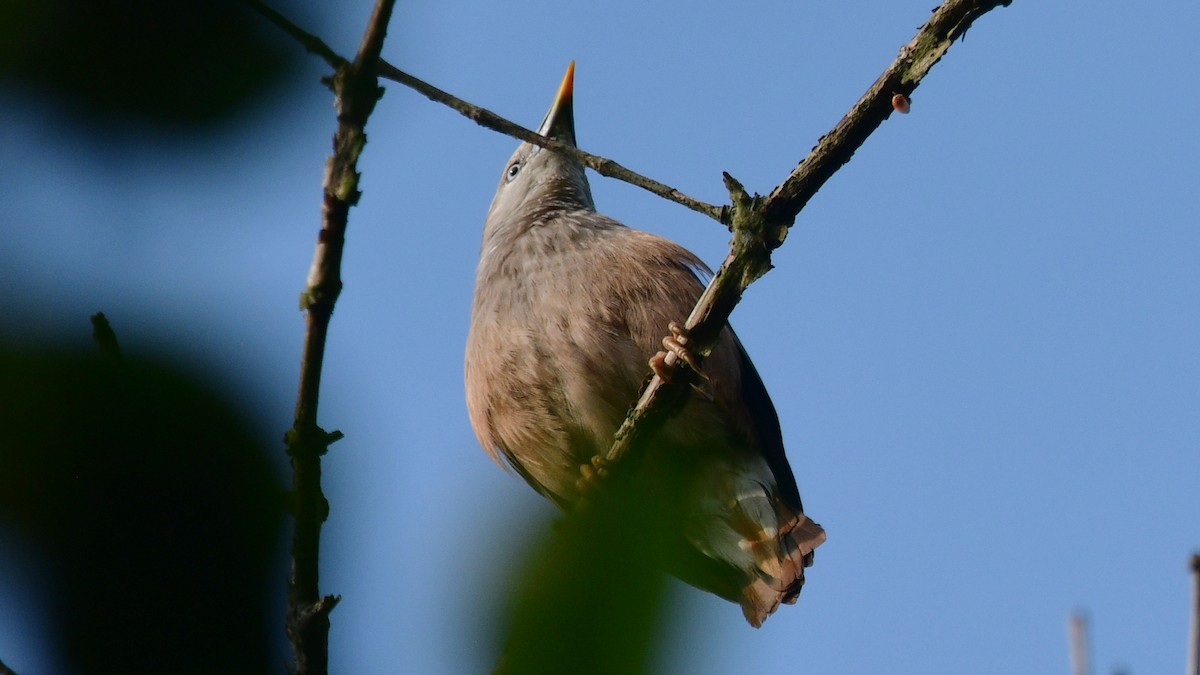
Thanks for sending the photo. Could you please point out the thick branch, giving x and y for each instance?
(356, 90)
(760, 226)
(601, 165)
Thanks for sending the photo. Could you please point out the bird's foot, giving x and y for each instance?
(597, 469)
(676, 343)
(592, 473)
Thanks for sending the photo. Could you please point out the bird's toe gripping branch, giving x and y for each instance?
(675, 345)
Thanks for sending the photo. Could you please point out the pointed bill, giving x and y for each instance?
(560, 120)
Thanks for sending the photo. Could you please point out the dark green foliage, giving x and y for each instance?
(590, 598)
(181, 61)
(154, 513)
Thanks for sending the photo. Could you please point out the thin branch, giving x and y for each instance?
(1193, 663)
(312, 43)
(1077, 638)
(489, 119)
(760, 226)
(356, 90)
(367, 59)
(105, 338)
(601, 165)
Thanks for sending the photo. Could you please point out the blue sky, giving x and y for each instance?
(982, 335)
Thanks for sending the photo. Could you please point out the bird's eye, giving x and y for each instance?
(512, 172)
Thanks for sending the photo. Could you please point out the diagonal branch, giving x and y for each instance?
(312, 43)
(760, 226)
(948, 23)
(490, 120)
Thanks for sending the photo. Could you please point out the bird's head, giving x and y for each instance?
(538, 181)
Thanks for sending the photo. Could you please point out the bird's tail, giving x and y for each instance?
(744, 540)
(780, 556)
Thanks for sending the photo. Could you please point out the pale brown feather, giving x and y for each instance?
(569, 305)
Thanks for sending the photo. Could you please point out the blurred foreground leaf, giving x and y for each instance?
(590, 598)
(154, 509)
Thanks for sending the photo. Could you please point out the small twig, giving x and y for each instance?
(490, 120)
(760, 226)
(601, 165)
(1193, 667)
(312, 43)
(1077, 634)
(105, 338)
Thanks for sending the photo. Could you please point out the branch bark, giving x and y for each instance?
(356, 91)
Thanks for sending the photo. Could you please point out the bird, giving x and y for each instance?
(569, 305)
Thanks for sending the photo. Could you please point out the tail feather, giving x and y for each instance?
(751, 543)
(780, 556)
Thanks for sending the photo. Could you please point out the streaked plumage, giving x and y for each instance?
(569, 306)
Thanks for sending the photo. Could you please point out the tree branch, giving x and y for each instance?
(312, 43)
(948, 23)
(1193, 663)
(356, 91)
(105, 338)
(489, 119)
(605, 167)
(760, 226)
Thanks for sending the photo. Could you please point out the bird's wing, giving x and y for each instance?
(765, 423)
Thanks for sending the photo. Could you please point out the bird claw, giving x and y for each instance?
(658, 363)
(676, 343)
(593, 472)
(599, 465)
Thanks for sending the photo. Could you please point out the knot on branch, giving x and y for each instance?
(321, 296)
(357, 90)
(311, 441)
(755, 234)
(308, 624)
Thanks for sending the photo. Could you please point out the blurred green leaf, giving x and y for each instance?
(590, 598)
